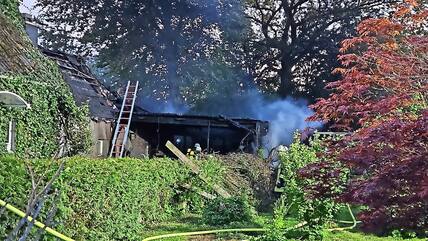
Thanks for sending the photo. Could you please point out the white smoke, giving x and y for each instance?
(169, 107)
(285, 117)
(162, 106)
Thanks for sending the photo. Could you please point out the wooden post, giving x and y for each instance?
(209, 136)
(195, 168)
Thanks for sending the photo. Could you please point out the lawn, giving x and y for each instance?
(193, 223)
(358, 236)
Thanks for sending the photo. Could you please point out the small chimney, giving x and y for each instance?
(32, 27)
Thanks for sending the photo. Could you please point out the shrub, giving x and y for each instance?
(14, 186)
(224, 211)
(276, 230)
(111, 199)
(212, 169)
(298, 201)
(297, 156)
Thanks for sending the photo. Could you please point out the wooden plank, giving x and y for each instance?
(200, 192)
(195, 168)
(220, 191)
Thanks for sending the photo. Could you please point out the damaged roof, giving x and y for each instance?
(200, 120)
(103, 104)
(86, 88)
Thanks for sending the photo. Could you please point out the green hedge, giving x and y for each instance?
(113, 199)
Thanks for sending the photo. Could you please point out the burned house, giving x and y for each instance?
(148, 131)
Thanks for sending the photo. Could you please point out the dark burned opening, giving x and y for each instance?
(214, 134)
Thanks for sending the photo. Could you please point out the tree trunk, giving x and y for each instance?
(286, 87)
(171, 56)
(172, 80)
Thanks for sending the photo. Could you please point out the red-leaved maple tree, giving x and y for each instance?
(382, 98)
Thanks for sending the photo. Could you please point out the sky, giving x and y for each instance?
(27, 6)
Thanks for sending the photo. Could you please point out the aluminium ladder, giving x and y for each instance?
(121, 132)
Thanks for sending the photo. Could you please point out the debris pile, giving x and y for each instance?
(248, 173)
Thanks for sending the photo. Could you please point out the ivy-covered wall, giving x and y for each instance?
(54, 116)
(10, 9)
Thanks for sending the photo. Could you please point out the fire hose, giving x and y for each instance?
(65, 238)
(171, 235)
(243, 230)
(37, 223)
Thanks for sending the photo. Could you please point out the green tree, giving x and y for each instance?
(170, 46)
(294, 43)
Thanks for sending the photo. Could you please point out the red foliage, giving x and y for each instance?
(383, 98)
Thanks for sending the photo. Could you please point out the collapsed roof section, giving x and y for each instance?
(86, 88)
(213, 133)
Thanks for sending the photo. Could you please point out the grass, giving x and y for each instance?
(358, 236)
(187, 224)
(193, 223)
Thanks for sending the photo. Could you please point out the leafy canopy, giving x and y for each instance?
(171, 47)
(294, 43)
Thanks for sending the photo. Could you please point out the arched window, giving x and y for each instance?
(9, 99)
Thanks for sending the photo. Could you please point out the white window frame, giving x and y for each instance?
(100, 147)
(11, 137)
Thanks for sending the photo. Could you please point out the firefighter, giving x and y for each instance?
(190, 153)
(198, 148)
(194, 153)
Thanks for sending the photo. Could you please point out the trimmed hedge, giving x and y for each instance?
(113, 199)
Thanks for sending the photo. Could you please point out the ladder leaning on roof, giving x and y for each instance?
(120, 136)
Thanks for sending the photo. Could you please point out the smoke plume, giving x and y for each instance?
(285, 116)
